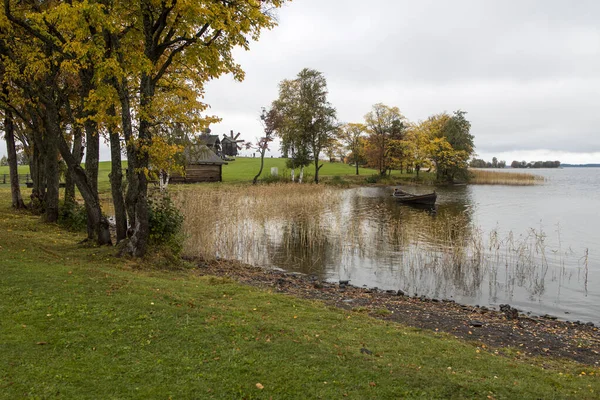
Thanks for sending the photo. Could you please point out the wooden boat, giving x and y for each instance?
(409, 198)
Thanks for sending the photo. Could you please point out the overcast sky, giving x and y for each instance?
(527, 72)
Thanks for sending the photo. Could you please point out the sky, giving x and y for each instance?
(527, 72)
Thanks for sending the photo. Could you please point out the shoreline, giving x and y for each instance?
(505, 332)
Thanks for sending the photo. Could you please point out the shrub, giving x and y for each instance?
(166, 222)
(373, 178)
(73, 216)
(274, 179)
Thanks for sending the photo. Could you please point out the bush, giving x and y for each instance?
(373, 178)
(274, 179)
(73, 216)
(166, 223)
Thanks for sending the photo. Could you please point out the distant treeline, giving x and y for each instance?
(535, 164)
(479, 163)
(581, 165)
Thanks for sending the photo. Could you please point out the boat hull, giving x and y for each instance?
(427, 199)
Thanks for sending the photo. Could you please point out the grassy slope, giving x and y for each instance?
(79, 323)
(242, 169)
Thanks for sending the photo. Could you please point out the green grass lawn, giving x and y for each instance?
(79, 323)
(245, 168)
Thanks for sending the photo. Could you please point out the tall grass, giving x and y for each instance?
(238, 221)
(486, 177)
(323, 230)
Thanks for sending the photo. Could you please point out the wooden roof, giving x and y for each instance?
(210, 140)
(199, 154)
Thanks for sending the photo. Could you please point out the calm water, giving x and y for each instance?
(536, 247)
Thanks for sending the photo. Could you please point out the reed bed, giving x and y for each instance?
(321, 230)
(484, 177)
(239, 221)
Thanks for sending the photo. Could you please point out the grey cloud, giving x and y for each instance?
(527, 72)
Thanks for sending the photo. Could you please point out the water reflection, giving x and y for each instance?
(364, 236)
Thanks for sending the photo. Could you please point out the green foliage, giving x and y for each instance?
(166, 222)
(373, 178)
(274, 178)
(3, 161)
(73, 216)
(306, 121)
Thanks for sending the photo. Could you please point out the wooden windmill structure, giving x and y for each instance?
(230, 145)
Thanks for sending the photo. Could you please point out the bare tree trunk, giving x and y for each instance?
(90, 196)
(116, 183)
(138, 195)
(92, 140)
(127, 126)
(9, 135)
(317, 166)
(92, 204)
(262, 163)
(356, 167)
(77, 154)
(36, 166)
(52, 179)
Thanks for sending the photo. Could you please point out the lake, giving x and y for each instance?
(534, 247)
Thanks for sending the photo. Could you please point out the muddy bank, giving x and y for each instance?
(505, 329)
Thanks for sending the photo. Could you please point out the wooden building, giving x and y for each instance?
(212, 142)
(201, 165)
(230, 145)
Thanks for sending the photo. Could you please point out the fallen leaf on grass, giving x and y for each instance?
(260, 386)
(41, 343)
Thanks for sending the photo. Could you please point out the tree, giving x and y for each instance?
(448, 161)
(384, 124)
(147, 61)
(11, 161)
(455, 130)
(3, 161)
(477, 163)
(308, 120)
(269, 119)
(494, 162)
(351, 136)
(419, 136)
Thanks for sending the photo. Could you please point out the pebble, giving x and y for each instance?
(476, 324)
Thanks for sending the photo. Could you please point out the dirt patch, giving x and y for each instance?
(493, 330)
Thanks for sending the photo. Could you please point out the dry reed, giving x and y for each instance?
(484, 177)
(315, 229)
(242, 221)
